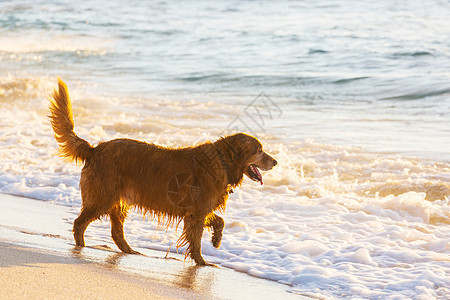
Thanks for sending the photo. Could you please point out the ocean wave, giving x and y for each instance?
(19, 91)
(412, 54)
(317, 51)
(325, 169)
(253, 80)
(348, 80)
(420, 94)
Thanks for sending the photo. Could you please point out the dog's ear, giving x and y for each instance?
(230, 148)
(244, 147)
(239, 146)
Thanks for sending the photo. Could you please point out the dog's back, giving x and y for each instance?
(151, 177)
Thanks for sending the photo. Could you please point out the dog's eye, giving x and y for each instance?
(260, 150)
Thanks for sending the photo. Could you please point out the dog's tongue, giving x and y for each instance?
(256, 171)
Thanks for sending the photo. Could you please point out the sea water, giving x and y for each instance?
(352, 99)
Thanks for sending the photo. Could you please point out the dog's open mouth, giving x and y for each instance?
(254, 173)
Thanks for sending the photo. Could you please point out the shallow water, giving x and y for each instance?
(352, 100)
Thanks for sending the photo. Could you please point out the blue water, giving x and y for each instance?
(372, 74)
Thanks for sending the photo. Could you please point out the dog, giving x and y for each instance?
(181, 184)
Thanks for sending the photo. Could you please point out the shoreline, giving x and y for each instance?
(39, 260)
(30, 273)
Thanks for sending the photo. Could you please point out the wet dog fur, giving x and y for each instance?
(187, 184)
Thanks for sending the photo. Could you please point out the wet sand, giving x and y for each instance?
(28, 273)
(38, 259)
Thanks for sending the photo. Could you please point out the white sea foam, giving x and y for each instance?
(334, 221)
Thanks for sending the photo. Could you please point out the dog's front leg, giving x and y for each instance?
(192, 233)
(217, 224)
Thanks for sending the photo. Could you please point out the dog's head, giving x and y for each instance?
(249, 157)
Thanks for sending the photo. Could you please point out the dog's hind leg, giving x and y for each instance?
(217, 224)
(80, 224)
(93, 209)
(117, 216)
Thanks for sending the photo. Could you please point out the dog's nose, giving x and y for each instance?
(275, 162)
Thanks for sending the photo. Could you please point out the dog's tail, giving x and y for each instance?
(72, 147)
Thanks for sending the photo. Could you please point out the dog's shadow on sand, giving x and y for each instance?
(190, 277)
(111, 260)
(198, 278)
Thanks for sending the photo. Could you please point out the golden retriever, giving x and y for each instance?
(187, 184)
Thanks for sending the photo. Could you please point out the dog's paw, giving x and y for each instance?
(131, 251)
(205, 264)
(210, 265)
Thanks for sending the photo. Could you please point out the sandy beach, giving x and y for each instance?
(39, 261)
(32, 274)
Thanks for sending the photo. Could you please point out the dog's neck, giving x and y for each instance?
(224, 163)
(229, 156)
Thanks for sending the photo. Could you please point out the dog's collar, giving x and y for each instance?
(222, 160)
